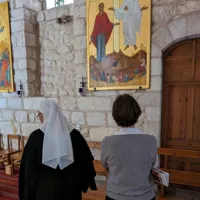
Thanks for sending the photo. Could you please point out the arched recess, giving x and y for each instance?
(169, 34)
(181, 100)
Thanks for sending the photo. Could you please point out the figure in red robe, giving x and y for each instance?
(101, 32)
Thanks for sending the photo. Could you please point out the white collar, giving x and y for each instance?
(128, 131)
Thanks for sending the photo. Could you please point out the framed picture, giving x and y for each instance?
(6, 69)
(118, 44)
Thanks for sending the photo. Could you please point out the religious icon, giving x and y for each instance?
(6, 73)
(118, 44)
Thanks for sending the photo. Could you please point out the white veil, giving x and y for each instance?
(57, 145)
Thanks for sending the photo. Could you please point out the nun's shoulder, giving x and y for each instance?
(76, 135)
(35, 135)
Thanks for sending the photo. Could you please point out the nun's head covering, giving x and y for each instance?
(57, 145)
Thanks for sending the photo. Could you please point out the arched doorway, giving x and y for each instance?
(181, 101)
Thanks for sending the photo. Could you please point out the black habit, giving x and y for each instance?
(40, 182)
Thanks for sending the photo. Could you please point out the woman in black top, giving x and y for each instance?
(57, 163)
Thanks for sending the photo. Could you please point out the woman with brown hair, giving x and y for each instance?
(129, 155)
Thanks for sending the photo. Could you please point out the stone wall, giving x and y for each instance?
(56, 53)
(18, 116)
(25, 45)
(63, 63)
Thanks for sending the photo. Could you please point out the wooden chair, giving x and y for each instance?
(1, 141)
(16, 158)
(101, 192)
(6, 153)
(2, 158)
(177, 176)
(11, 139)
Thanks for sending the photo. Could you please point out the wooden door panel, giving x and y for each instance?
(198, 48)
(196, 115)
(178, 70)
(197, 70)
(165, 115)
(181, 49)
(177, 113)
(195, 166)
(189, 113)
(197, 61)
(197, 55)
(179, 144)
(181, 102)
(177, 123)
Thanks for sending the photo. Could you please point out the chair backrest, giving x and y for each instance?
(24, 139)
(1, 141)
(11, 140)
(100, 170)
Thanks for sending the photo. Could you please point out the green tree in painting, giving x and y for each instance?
(60, 3)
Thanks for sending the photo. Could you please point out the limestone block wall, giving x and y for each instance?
(63, 62)
(56, 53)
(25, 45)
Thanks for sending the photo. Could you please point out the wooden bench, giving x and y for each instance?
(176, 176)
(101, 192)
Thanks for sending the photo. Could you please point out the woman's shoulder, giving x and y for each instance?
(149, 141)
(151, 138)
(106, 140)
(145, 138)
(139, 137)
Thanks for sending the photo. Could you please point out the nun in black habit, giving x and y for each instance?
(57, 163)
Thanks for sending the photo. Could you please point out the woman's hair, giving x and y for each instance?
(126, 110)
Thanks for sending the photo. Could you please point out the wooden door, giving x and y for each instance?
(181, 101)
